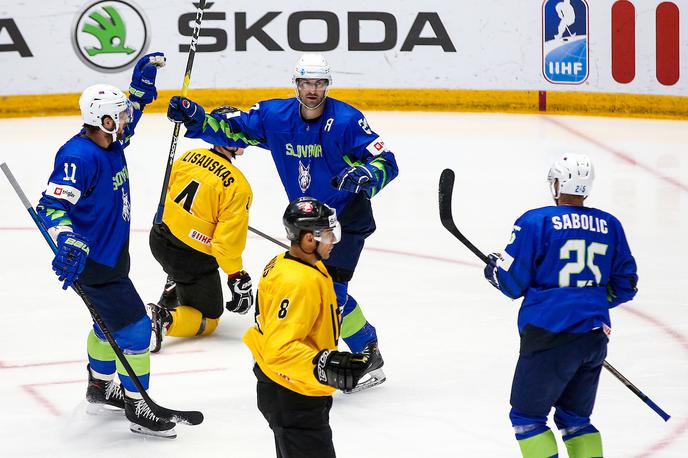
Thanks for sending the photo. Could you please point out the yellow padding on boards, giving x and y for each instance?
(385, 99)
(189, 322)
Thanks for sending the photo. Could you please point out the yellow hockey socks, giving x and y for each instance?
(189, 322)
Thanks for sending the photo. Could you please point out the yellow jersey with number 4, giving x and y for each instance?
(207, 206)
(296, 317)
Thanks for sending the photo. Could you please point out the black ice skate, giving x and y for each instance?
(168, 298)
(103, 393)
(374, 375)
(161, 318)
(144, 421)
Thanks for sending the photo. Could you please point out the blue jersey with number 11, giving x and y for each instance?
(571, 264)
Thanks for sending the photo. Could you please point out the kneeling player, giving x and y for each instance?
(294, 340)
(571, 264)
(204, 226)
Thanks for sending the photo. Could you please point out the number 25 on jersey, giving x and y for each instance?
(584, 255)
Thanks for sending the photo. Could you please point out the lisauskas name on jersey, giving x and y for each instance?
(211, 164)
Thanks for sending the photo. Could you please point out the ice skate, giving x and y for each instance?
(160, 322)
(374, 375)
(168, 298)
(103, 395)
(144, 421)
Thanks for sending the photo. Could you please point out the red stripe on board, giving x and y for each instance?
(623, 41)
(667, 43)
(542, 100)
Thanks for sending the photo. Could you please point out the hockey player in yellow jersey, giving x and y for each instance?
(294, 339)
(204, 226)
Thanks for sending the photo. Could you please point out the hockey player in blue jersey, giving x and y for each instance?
(86, 208)
(571, 264)
(323, 148)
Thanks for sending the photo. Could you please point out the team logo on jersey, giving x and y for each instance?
(304, 177)
(126, 206)
(110, 35)
(565, 37)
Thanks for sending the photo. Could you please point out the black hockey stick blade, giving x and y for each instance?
(179, 416)
(446, 189)
(643, 397)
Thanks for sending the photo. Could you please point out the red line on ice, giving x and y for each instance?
(31, 388)
(682, 427)
(619, 154)
(80, 361)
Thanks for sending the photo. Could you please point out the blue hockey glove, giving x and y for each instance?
(491, 269)
(142, 88)
(240, 285)
(357, 178)
(70, 260)
(186, 111)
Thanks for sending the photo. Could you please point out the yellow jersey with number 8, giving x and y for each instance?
(296, 317)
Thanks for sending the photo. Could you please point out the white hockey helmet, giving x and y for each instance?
(312, 66)
(104, 100)
(575, 174)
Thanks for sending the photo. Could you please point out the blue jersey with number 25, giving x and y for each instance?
(571, 265)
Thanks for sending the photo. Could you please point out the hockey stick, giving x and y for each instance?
(267, 237)
(180, 416)
(637, 392)
(177, 125)
(446, 189)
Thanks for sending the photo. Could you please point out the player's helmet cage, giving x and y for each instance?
(312, 66)
(104, 100)
(311, 215)
(575, 174)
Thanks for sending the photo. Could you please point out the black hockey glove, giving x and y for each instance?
(240, 286)
(491, 269)
(340, 369)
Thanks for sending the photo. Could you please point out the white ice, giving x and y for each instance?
(448, 338)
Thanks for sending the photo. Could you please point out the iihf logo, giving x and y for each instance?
(565, 41)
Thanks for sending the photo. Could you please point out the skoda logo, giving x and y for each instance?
(110, 35)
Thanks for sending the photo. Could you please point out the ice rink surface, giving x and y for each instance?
(448, 338)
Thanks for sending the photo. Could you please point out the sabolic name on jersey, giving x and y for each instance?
(577, 221)
(64, 192)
